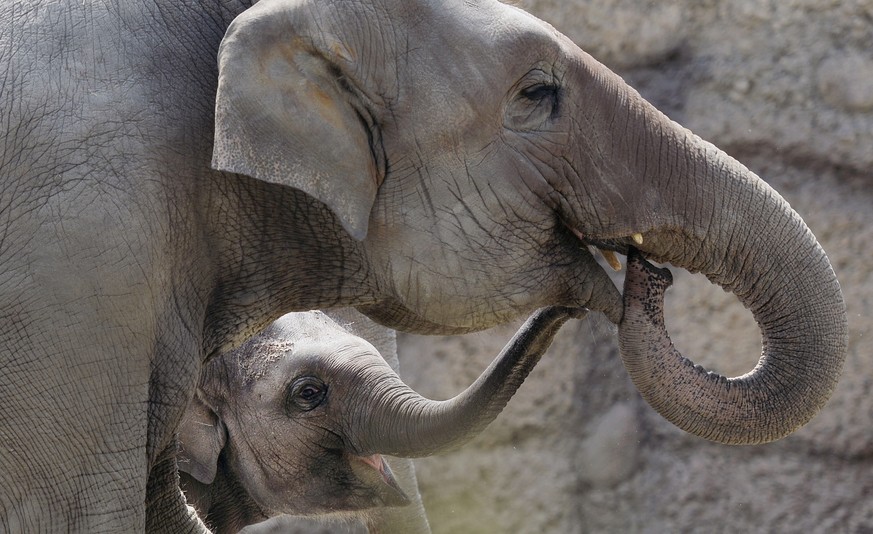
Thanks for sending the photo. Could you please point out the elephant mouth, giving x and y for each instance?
(608, 247)
(374, 471)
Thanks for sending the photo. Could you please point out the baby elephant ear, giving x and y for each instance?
(201, 438)
(285, 114)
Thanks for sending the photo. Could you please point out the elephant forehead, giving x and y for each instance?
(487, 34)
(456, 80)
(299, 325)
(270, 363)
(328, 357)
(466, 45)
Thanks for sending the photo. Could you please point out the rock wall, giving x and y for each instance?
(786, 87)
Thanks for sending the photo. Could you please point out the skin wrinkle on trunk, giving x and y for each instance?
(418, 427)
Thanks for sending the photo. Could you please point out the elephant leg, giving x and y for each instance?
(166, 509)
(172, 382)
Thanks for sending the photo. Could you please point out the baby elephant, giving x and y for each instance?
(295, 420)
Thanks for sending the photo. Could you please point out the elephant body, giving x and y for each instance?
(276, 425)
(175, 175)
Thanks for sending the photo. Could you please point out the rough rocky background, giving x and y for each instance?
(786, 87)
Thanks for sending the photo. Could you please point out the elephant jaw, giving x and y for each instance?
(584, 285)
(374, 471)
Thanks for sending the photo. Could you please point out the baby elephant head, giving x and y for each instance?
(295, 420)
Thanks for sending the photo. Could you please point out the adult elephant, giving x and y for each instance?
(443, 166)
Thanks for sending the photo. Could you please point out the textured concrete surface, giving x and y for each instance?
(787, 88)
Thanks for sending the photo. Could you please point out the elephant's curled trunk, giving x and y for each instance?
(747, 239)
(406, 424)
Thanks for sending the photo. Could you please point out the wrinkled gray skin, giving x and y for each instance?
(699, 403)
(276, 424)
(441, 165)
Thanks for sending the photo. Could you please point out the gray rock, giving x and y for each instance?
(845, 81)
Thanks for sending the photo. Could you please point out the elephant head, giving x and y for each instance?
(477, 157)
(294, 421)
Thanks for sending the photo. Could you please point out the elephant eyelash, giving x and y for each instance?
(543, 94)
(533, 106)
(540, 91)
(341, 79)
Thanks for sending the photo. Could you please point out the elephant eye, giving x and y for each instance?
(533, 106)
(540, 92)
(305, 394)
(309, 392)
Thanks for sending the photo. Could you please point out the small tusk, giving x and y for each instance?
(577, 233)
(638, 238)
(611, 259)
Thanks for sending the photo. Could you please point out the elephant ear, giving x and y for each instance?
(286, 114)
(202, 436)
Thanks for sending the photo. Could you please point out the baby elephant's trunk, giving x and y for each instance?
(407, 425)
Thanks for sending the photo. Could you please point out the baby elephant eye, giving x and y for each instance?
(306, 393)
(309, 392)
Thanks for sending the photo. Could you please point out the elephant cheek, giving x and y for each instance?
(591, 287)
